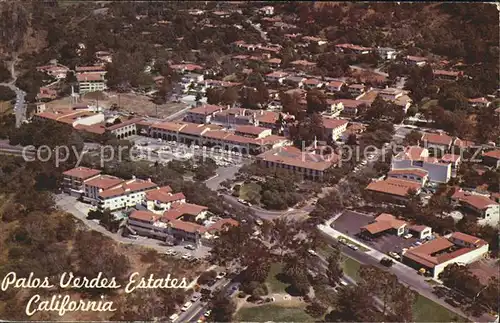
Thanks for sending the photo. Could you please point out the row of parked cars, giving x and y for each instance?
(349, 244)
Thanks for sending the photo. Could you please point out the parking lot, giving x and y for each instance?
(164, 151)
(350, 223)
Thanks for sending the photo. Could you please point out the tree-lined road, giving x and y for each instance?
(20, 106)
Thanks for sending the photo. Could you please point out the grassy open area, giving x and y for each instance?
(351, 268)
(273, 312)
(273, 282)
(5, 107)
(425, 310)
(428, 105)
(250, 192)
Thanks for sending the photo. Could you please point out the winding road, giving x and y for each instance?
(20, 106)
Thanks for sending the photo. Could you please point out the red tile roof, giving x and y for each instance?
(219, 225)
(418, 228)
(98, 128)
(416, 58)
(493, 154)
(159, 194)
(393, 186)
(478, 100)
(95, 68)
(412, 171)
(383, 222)
(422, 254)
(252, 130)
(143, 216)
(187, 226)
(277, 74)
(335, 84)
(274, 61)
(463, 143)
(477, 201)
(447, 73)
(194, 129)
(90, 77)
(330, 123)
(312, 81)
(475, 241)
(124, 123)
(450, 158)
(82, 172)
(207, 109)
(169, 126)
(348, 103)
(104, 182)
(439, 139)
(294, 157)
(267, 116)
(128, 187)
(217, 134)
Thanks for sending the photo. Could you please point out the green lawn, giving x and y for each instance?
(272, 281)
(426, 310)
(351, 268)
(250, 192)
(428, 105)
(272, 312)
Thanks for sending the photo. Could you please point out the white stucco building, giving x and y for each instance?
(415, 157)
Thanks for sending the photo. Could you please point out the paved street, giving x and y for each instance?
(404, 273)
(20, 106)
(80, 210)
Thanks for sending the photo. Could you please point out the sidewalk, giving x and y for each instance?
(371, 252)
(404, 273)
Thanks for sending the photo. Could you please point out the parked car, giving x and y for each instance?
(259, 222)
(186, 306)
(207, 313)
(173, 318)
(387, 262)
(221, 275)
(394, 255)
(190, 247)
(195, 297)
(312, 252)
(352, 246)
(408, 236)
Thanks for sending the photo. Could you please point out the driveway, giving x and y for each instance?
(80, 210)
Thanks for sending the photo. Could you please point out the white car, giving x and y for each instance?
(353, 247)
(207, 313)
(186, 256)
(195, 297)
(221, 275)
(312, 252)
(189, 247)
(259, 222)
(408, 236)
(173, 318)
(186, 306)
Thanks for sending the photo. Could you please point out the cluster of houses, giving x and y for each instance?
(415, 168)
(152, 210)
(89, 78)
(434, 254)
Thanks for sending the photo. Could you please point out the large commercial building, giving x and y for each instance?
(414, 157)
(436, 254)
(308, 164)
